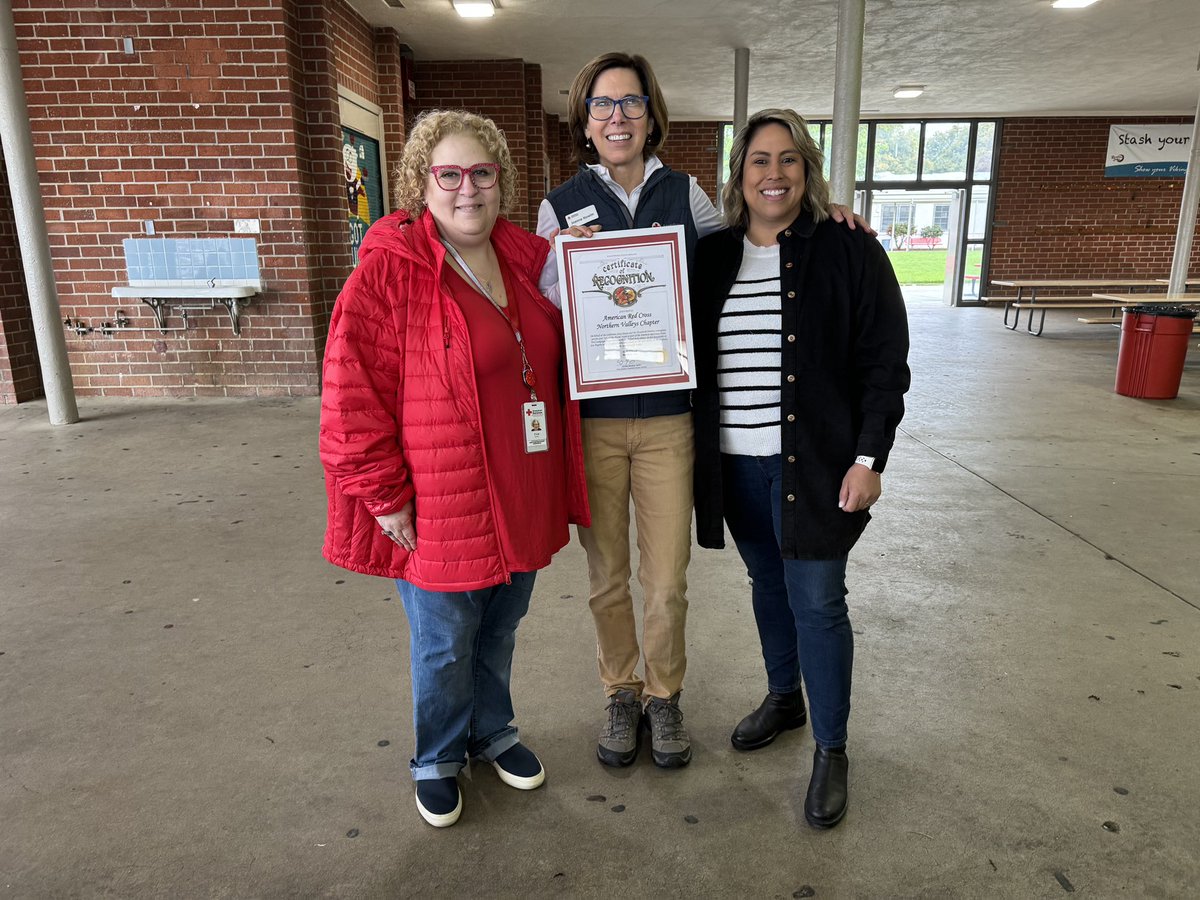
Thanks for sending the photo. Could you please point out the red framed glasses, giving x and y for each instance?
(450, 178)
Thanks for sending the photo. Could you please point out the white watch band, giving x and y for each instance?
(868, 461)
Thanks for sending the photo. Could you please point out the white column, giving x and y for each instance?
(847, 100)
(31, 229)
(1187, 214)
(741, 87)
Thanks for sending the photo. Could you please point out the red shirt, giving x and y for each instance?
(532, 519)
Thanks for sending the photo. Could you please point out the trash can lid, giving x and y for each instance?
(1172, 312)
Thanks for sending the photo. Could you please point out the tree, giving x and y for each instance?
(946, 149)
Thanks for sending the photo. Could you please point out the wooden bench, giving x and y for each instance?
(1027, 297)
(1042, 304)
(924, 243)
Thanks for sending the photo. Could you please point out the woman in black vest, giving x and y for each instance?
(801, 353)
(638, 447)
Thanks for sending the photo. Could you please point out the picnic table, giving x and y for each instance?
(1126, 300)
(1027, 296)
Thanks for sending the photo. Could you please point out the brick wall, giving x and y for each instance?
(354, 51)
(20, 376)
(695, 148)
(535, 141)
(496, 89)
(192, 129)
(1057, 216)
(391, 65)
(219, 113)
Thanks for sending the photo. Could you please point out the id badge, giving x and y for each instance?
(537, 434)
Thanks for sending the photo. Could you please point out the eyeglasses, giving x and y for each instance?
(482, 175)
(601, 108)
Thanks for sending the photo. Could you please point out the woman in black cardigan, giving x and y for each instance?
(802, 343)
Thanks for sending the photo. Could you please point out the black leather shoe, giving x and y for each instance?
(779, 712)
(826, 801)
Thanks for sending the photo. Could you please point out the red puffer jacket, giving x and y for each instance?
(400, 413)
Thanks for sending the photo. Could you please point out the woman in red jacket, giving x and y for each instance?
(452, 457)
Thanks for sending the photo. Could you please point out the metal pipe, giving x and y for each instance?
(847, 100)
(741, 87)
(30, 221)
(1187, 215)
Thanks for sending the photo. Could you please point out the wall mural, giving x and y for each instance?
(364, 184)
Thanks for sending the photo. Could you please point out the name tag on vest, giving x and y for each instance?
(582, 216)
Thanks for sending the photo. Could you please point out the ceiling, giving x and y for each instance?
(976, 57)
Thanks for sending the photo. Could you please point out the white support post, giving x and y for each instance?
(31, 229)
(1187, 214)
(847, 100)
(741, 87)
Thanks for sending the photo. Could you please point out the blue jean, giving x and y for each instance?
(799, 604)
(462, 650)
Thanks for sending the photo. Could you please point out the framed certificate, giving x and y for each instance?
(626, 313)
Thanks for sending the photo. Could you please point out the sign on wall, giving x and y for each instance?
(364, 188)
(1148, 151)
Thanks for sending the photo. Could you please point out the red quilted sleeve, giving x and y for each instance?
(362, 389)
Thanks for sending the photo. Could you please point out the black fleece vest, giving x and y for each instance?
(665, 200)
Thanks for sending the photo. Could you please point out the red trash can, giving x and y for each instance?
(1154, 343)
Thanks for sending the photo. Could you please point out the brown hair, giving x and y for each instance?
(412, 172)
(816, 188)
(581, 90)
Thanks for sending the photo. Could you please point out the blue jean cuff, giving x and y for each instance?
(504, 742)
(790, 690)
(436, 771)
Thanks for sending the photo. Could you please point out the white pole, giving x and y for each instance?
(30, 220)
(847, 100)
(1187, 214)
(741, 87)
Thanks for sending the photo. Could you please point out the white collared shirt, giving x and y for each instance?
(705, 216)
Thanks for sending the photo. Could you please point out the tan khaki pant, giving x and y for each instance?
(650, 460)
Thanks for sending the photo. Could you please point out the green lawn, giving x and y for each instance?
(927, 266)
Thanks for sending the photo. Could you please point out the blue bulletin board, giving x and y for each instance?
(364, 184)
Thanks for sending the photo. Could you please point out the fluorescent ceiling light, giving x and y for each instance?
(908, 91)
(474, 9)
(1072, 4)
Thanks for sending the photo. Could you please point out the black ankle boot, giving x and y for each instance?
(779, 712)
(827, 798)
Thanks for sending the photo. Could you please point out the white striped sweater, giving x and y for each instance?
(748, 356)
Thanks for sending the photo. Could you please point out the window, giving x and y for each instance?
(941, 216)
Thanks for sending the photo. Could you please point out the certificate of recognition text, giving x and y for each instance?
(626, 314)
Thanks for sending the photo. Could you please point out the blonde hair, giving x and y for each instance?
(816, 188)
(412, 172)
(581, 90)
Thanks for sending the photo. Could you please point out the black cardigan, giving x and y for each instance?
(844, 373)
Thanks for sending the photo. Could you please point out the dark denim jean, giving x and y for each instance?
(799, 604)
(462, 650)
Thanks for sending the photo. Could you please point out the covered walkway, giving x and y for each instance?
(197, 705)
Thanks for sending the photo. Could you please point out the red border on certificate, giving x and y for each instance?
(679, 374)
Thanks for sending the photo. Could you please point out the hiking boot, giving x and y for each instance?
(618, 745)
(669, 742)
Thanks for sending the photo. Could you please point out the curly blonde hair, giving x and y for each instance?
(816, 188)
(412, 172)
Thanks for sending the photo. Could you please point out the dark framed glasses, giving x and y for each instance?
(450, 178)
(632, 107)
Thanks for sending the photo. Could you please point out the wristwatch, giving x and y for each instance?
(868, 461)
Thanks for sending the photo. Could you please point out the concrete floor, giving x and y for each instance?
(194, 704)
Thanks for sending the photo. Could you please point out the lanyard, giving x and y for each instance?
(528, 377)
